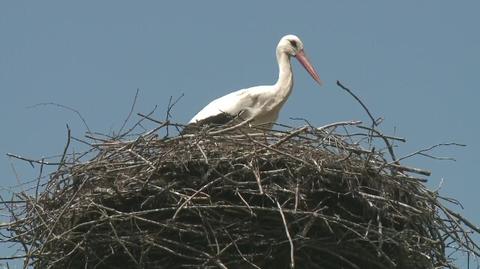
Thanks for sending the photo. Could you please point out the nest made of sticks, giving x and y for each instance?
(302, 198)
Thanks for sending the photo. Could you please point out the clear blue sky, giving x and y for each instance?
(416, 63)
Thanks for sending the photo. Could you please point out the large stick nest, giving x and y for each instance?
(302, 198)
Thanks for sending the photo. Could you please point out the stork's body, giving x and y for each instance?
(261, 104)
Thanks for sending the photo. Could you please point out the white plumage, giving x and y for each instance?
(261, 104)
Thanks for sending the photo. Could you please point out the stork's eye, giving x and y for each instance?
(293, 43)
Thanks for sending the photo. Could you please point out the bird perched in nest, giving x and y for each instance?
(259, 105)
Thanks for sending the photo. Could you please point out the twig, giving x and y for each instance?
(64, 107)
(203, 153)
(289, 136)
(292, 252)
(65, 149)
(422, 151)
(160, 122)
(129, 113)
(193, 195)
(256, 173)
(401, 139)
(168, 114)
(32, 161)
(221, 131)
(411, 169)
(374, 122)
(385, 139)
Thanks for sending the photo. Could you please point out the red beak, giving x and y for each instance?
(302, 58)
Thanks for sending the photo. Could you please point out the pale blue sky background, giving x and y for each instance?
(416, 63)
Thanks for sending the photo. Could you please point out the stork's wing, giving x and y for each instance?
(219, 119)
(222, 110)
(239, 104)
(231, 104)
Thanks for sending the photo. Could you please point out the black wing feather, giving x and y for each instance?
(217, 120)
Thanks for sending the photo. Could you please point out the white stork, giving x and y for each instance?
(259, 105)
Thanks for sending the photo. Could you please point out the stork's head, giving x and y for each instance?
(293, 46)
(290, 44)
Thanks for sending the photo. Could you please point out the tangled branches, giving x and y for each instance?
(303, 198)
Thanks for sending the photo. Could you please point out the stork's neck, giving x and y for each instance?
(285, 76)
